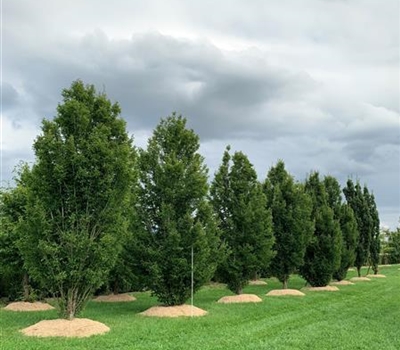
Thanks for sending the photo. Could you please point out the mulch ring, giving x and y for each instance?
(376, 276)
(322, 289)
(341, 283)
(257, 283)
(115, 298)
(241, 298)
(360, 279)
(283, 292)
(25, 306)
(78, 327)
(174, 311)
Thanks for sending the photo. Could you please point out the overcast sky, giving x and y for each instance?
(313, 82)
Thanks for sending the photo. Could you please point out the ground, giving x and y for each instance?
(360, 316)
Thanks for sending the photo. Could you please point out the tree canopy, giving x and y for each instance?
(292, 223)
(245, 221)
(77, 191)
(175, 216)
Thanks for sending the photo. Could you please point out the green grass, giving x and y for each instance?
(362, 316)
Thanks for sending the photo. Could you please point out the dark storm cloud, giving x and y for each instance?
(152, 75)
(314, 83)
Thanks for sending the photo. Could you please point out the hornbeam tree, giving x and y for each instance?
(245, 221)
(175, 218)
(375, 245)
(322, 256)
(78, 190)
(359, 203)
(292, 223)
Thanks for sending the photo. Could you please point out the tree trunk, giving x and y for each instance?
(239, 290)
(285, 283)
(25, 284)
(359, 271)
(72, 304)
(115, 287)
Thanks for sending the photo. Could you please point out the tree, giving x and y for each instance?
(292, 223)
(77, 193)
(357, 201)
(375, 245)
(394, 246)
(11, 263)
(322, 256)
(348, 228)
(174, 215)
(245, 222)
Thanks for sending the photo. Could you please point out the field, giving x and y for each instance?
(361, 316)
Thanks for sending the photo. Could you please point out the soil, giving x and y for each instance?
(174, 311)
(281, 292)
(25, 306)
(257, 283)
(376, 276)
(78, 327)
(114, 298)
(341, 283)
(358, 279)
(241, 298)
(322, 289)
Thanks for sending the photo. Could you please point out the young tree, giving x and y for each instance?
(394, 246)
(14, 278)
(246, 224)
(77, 193)
(174, 214)
(375, 245)
(348, 227)
(357, 201)
(292, 223)
(322, 256)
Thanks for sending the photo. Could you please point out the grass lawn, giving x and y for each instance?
(361, 316)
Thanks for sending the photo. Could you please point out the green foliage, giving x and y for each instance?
(14, 282)
(375, 246)
(394, 247)
(174, 214)
(245, 222)
(77, 193)
(348, 227)
(292, 224)
(334, 195)
(367, 219)
(322, 256)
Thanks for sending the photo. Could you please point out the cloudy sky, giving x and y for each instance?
(313, 82)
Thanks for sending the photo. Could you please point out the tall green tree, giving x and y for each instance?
(358, 202)
(375, 245)
(348, 228)
(322, 256)
(292, 223)
(14, 279)
(77, 193)
(344, 215)
(394, 246)
(245, 222)
(174, 213)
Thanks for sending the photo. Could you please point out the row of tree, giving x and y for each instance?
(95, 211)
(390, 246)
